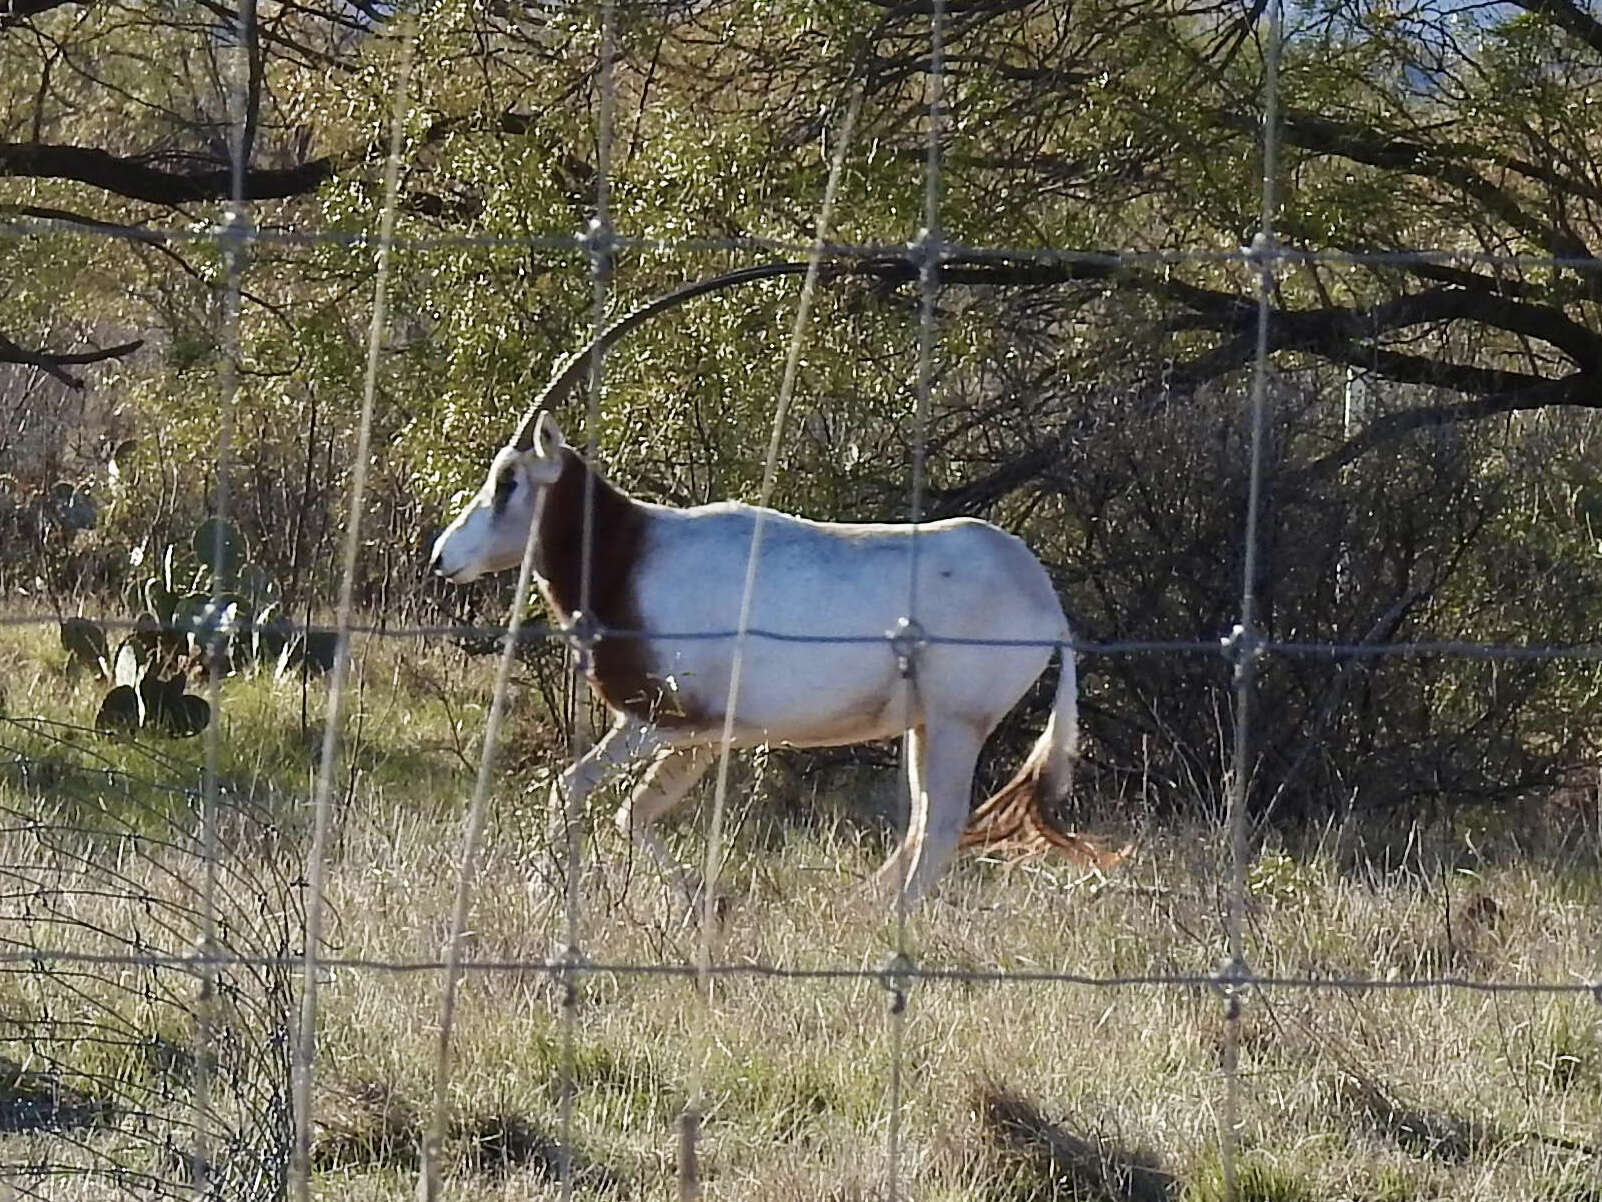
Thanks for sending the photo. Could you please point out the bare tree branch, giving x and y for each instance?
(1567, 16)
(66, 217)
(1448, 164)
(137, 178)
(55, 363)
(18, 11)
(1581, 389)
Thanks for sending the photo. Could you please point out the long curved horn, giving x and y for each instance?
(573, 369)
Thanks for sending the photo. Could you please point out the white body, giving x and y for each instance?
(835, 582)
(821, 665)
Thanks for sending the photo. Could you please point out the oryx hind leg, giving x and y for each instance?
(892, 874)
(667, 781)
(941, 775)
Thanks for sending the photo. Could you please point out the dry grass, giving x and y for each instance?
(1014, 1092)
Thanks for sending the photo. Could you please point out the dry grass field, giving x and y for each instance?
(1013, 1090)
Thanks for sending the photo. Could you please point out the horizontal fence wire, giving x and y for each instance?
(46, 956)
(41, 957)
(490, 635)
(952, 254)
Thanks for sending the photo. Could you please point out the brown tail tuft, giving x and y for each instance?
(1012, 820)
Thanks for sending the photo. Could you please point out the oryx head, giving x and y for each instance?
(492, 529)
(490, 533)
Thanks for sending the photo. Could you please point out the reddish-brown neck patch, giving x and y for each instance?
(617, 530)
(621, 667)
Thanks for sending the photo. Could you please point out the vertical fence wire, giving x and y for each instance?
(322, 792)
(430, 1170)
(233, 239)
(1245, 643)
(928, 251)
(429, 1179)
(690, 1119)
(599, 252)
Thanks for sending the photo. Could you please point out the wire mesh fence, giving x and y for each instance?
(100, 1051)
(165, 1042)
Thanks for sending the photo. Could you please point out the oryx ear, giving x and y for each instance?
(548, 438)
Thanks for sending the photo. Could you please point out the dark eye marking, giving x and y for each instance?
(505, 483)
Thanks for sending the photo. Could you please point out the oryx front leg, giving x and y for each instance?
(627, 739)
(666, 782)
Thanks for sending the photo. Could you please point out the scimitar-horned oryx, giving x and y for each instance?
(988, 615)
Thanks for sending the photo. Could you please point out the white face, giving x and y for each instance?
(491, 531)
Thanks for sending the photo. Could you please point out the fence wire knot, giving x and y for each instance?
(1243, 646)
(1233, 980)
(582, 633)
(1264, 252)
(896, 976)
(928, 250)
(907, 640)
(235, 227)
(568, 967)
(599, 242)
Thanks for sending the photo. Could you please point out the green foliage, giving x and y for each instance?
(147, 691)
(1099, 417)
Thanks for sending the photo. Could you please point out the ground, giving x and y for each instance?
(1012, 1087)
